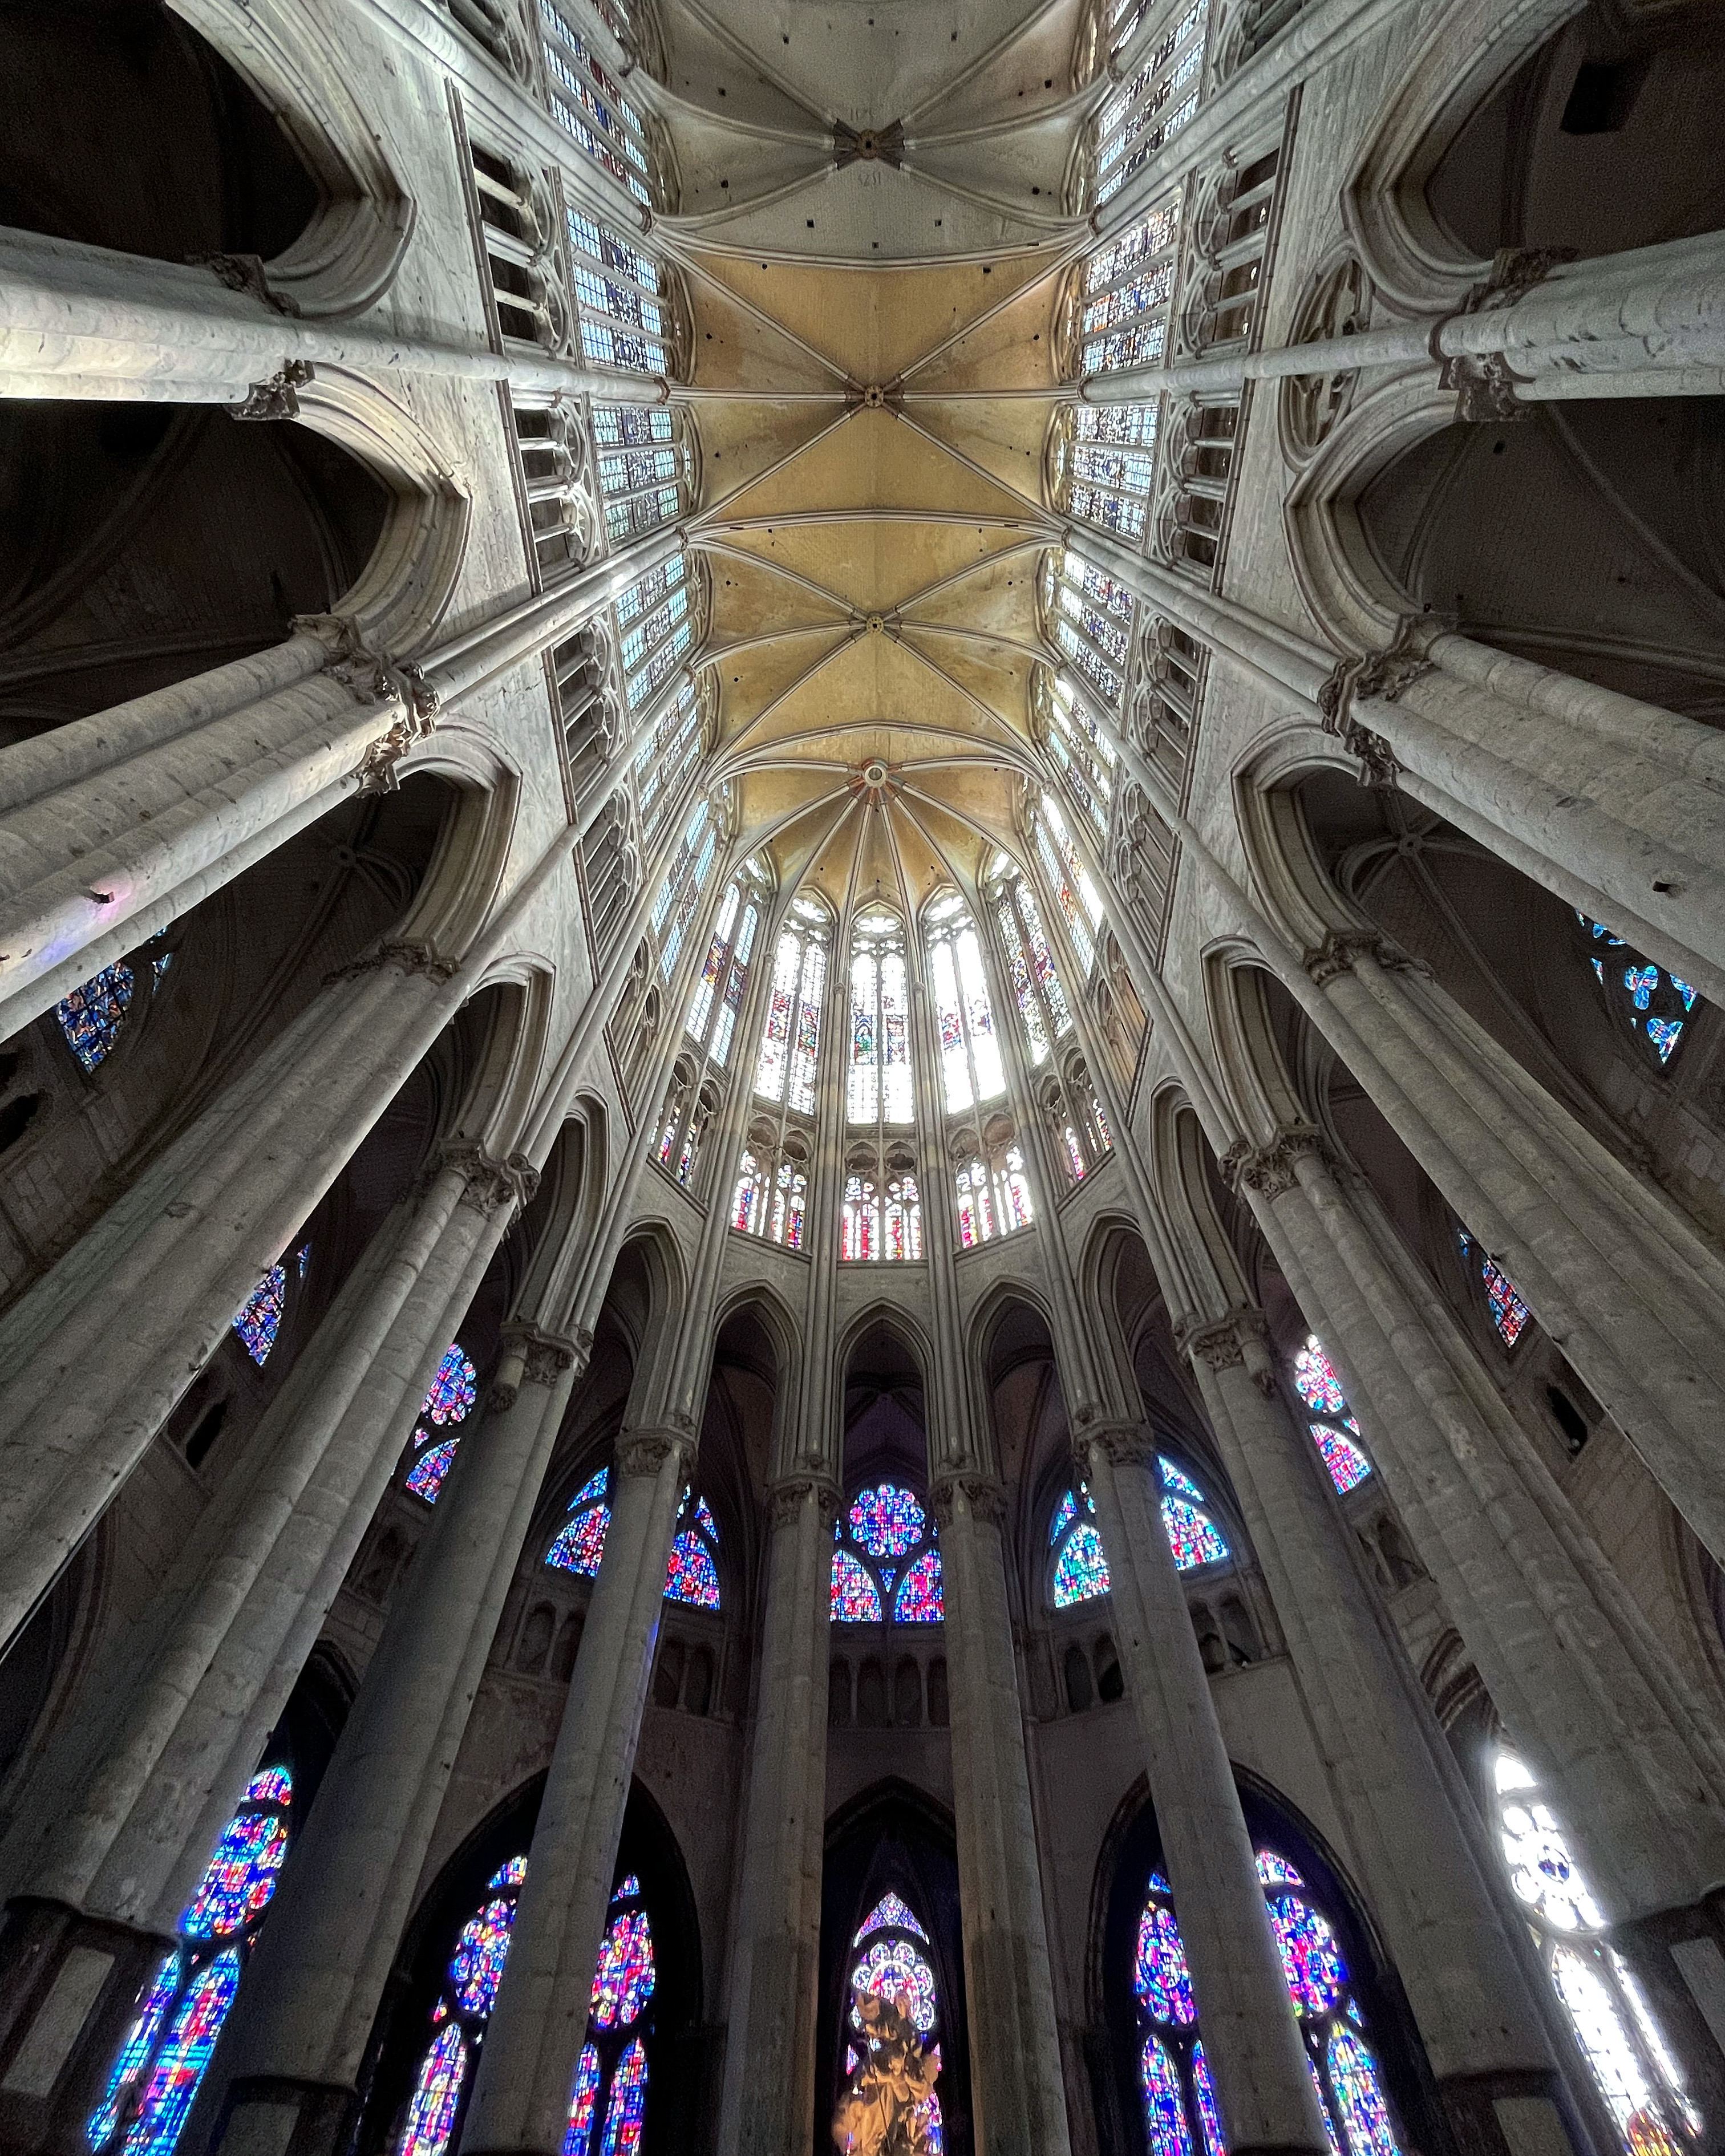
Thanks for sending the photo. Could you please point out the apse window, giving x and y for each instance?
(886, 1568)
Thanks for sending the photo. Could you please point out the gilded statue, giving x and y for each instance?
(884, 2112)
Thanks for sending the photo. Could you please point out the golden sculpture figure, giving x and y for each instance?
(884, 2111)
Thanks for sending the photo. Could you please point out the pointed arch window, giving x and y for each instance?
(449, 1401)
(620, 299)
(1333, 1429)
(771, 1196)
(1508, 1312)
(1179, 2107)
(1042, 1009)
(1613, 2022)
(878, 1087)
(1078, 1568)
(587, 104)
(970, 1067)
(181, 2010)
(889, 1959)
(718, 995)
(1067, 875)
(679, 893)
(665, 757)
(692, 1575)
(1077, 745)
(886, 1564)
(91, 1016)
(1127, 282)
(994, 1196)
(643, 467)
(1654, 1004)
(1110, 466)
(1090, 616)
(257, 1319)
(580, 1542)
(1159, 99)
(656, 627)
(880, 1219)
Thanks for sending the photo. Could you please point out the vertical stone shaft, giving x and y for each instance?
(1264, 2086)
(767, 2100)
(1020, 2105)
(521, 2097)
(321, 1964)
(1483, 2007)
(1571, 1665)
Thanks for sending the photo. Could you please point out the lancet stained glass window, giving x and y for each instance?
(655, 627)
(1615, 2025)
(1333, 1429)
(1078, 1568)
(886, 1563)
(1089, 616)
(91, 1016)
(454, 1390)
(1113, 466)
(1067, 875)
(889, 1959)
(587, 103)
(692, 1574)
(679, 893)
(181, 2010)
(972, 1071)
(992, 1201)
(1086, 761)
(640, 467)
(1127, 283)
(611, 2075)
(1179, 2109)
(1509, 1313)
(580, 1541)
(1156, 101)
(878, 1087)
(1654, 1004)
(771, 1195)
(1043, 1008)
(664, 758)
(257, 1319)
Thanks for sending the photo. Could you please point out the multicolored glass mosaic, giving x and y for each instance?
(1209, 2114)
(436, 2094)
(1509, 1313)
(890, 1910)
(1311, 1958)
(579, 2132)
(893, 1968)
(626, 2113)
(181, 2063)
(240, 1880)
(918, 1600)
(1081, 1572)
(91, 1017)
(1337, 1438)
(624, 1981)
(454, 1389)
(887, 1521)
(580, 1542)
(855, 1598)
(1164, 2108)
(1655, 1005)
(1160, 1977)
(1193, 1536)
(257, 1319)
(425, 1477)
(1359, 2097)
(691, 1576)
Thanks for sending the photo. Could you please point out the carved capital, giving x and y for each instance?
(545, 1356)
(1485, 385)
(1514, 272)
(645, 1451)
(1341, 949)
(1268, 1169)
(786, 1498)
(985, 1498)
(1120, 1444)
(1238, 1339)
(244, 273)
(491, 1183)
(277, 397)
(1383, 675)
(406, 956)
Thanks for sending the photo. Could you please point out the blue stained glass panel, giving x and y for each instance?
(855, 1599)
(1182, 1485)
(1359, 2096)
(892, 1969)
(1064, 1513)
(1311, 1955)
(1164, 2111)
(425, 1478)
(91, 1017)
(704, 1521)
(1080, 1570)
(889, 1910)
(581, 2106)
(581, 1544)
(257, 1319)
(919, 1599)
(476, 1967)
(507, 1875)
(1209, 2116)
(180, 2065)
(1275, 1870)
(1347, 1464)
(431, 2115)
(1324, 2105)
(241, 1876)
(691, 1576)
(1193, 1537)
(136, 2051)
(1316, 1381)
(623, 1982)
(274, 1785)
(453, 1389)
(627, 2110)
(1509, 1313)
(1160, 1976)
(888, 1521)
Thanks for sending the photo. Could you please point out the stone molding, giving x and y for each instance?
(372, 678)
(407, 956)
(984, 1498)
(786, 1498)
(645, 1451)
(1268, 1168)
(1238, 1339)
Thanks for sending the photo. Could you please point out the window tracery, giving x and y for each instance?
(1102, 464)
(449, 1401)
(580, 1542)
(1329, 1418)
(1089, 615)
(971, 1069)
(889, 1959)
(1121, 294)
(1042, 1009)
(656, 619)
(585, 102)
(1087, 763)
(1158, 98)
(1077, 1565)
(697, 1081)
(770, 1195)
(666, 757)
(1654, 1005)
(693, 1574)
(881, 1210)
(1067, 875)
(1179, 2111)
(679, 893)
(181, 2010)
(886, 1563)
(990, 1183)
(645, 461)
(1198, 438)
(1614, 2023)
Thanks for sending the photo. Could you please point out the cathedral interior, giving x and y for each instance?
(862, 1078)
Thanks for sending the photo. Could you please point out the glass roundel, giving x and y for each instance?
(890, 1956)
(1177, 2100)
(886, 1563)
(181, 2010)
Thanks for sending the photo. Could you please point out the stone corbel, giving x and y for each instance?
(491, 1183)
(984, 1498)
(370, 678)
(1342, 948)
(1485, 385)
(244, 273)
(1122, 1443)
(276, 398)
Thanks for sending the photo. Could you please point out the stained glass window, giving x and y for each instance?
(1654, 1004)
(181, 2010)
(894, 1964)
(641, 467)
(1079, 746)
(664, 758)
(1126, 285)
(91, 1017)
(970, 1067)
(719, 993)
(580, 1541)
(1067, 875)
(585, 101)
(257, 1319)
(656, 629)
(1614, 2023)
(886, 1560)
(611, 2076)
(1149, 109)
(878, 1087)
(770, 1195)
(1180, 2111)
(1079, 1571)
(692, 1574)
(674, 904)
(1113, 466)
(450, 1399)
(1036, 986)
(1090, 617)
(1509, 1313)
(1333, 1429)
